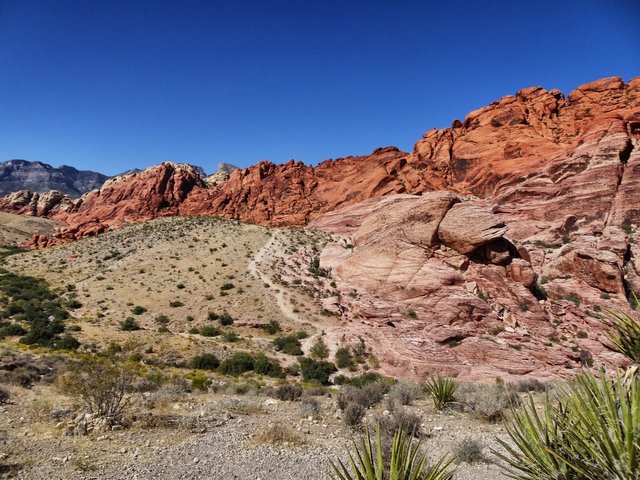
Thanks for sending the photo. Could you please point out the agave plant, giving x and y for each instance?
(625, 335)
(592, 433)
(406, 462)
(441, 390)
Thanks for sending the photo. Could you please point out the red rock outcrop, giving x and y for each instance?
(423, 304)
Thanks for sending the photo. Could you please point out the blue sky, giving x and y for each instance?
(112, 85)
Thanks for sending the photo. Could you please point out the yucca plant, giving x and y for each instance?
(591, 433)
(441, 390)
(406, 462)
(624, 336)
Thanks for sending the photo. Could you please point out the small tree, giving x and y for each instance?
(319, 349)
(101, 385)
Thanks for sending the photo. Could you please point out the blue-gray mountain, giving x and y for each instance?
(39, 177)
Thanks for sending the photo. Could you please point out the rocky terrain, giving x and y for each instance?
(491, 249)
(39, 177)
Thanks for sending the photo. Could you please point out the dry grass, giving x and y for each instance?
(279, 434)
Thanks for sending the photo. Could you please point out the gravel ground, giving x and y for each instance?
(221, 445)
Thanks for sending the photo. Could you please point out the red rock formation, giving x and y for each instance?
(465, 308)
(541, 156)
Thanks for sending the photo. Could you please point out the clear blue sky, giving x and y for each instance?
(112, 85)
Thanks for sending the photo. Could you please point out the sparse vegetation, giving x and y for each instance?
(441, 390)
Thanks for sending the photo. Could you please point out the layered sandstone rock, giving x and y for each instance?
(425, 307)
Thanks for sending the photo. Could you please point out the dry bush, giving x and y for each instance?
(367, 396)
(100, 385)
(309, 406)
(400, 419)
(469, 451)
(405, 392)
(352, 414)
(4, 396)
(279, 434)
(286, 391)
(486, 401)
(241, 406)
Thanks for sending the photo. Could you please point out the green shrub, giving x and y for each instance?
(176, 304)
(441, 390)
(138, 310)
(319, 349)
(406, 462)
(129, 324)
(272, 327)
(289, 344)
(205, 361)
(237, 364)
(264, 365)
(65, 342)
(590, 433)
(12, 330)
(343, 358)
(162, 320)
(227, 286)
(208, 331)
(316, 371)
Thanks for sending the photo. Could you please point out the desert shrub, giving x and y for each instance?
(316, 371)
(241, 406)
(138, 310)
(101, 385)
(289, 344)
(227, 286)
(441, 390)
(65, 342)
(264, 365)
(176, 304)
(225, 319)
(272, 327)
(317, 391)
(353, 414)
(405, 462)
(399, 419)
(199, 382)
(319, 349)
(530, 385)
(237, 364)
(287, 391)
(361, 380)
(405, 392)
(344, 358)
(163, 320)
(4, 396)
(468, 451)
(278, 433)
(230, 337)
(589, 433)
(368, 396)
(129, 324)
(488, 402)
(208, 331)
(11, 330)
(205, 361)
(309, 406)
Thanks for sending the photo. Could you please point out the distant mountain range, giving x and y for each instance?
(38, 177)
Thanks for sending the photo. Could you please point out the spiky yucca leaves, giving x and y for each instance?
(625, 335)
(592, 433)
(441, 390)
(406, 462)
